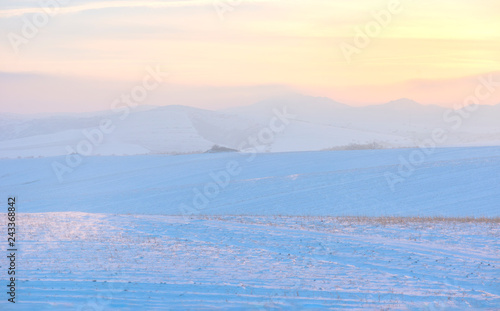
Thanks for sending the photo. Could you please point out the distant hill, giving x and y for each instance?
(313, 123)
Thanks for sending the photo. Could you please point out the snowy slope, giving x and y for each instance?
(315, 124)
(450, 182)
(400, 123)
(170, 129)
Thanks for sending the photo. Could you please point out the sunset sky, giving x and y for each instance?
(225, 53)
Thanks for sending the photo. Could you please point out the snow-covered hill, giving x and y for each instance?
(311, 123)
(448, 182)
(169, 129)
(400, 123)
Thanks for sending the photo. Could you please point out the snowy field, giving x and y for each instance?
(270, 233)
(447, 182)
(78, 261)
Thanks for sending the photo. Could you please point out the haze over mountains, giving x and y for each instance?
(290, 123)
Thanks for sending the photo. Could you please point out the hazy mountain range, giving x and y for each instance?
(291, 123)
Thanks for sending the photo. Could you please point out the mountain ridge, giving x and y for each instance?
(314, 123)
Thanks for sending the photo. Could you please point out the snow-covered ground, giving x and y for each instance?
(447, 182)
(257, 231)
(78, 261)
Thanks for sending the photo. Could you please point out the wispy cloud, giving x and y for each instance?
(75, 8)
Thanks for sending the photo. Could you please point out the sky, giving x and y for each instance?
(74, 55)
